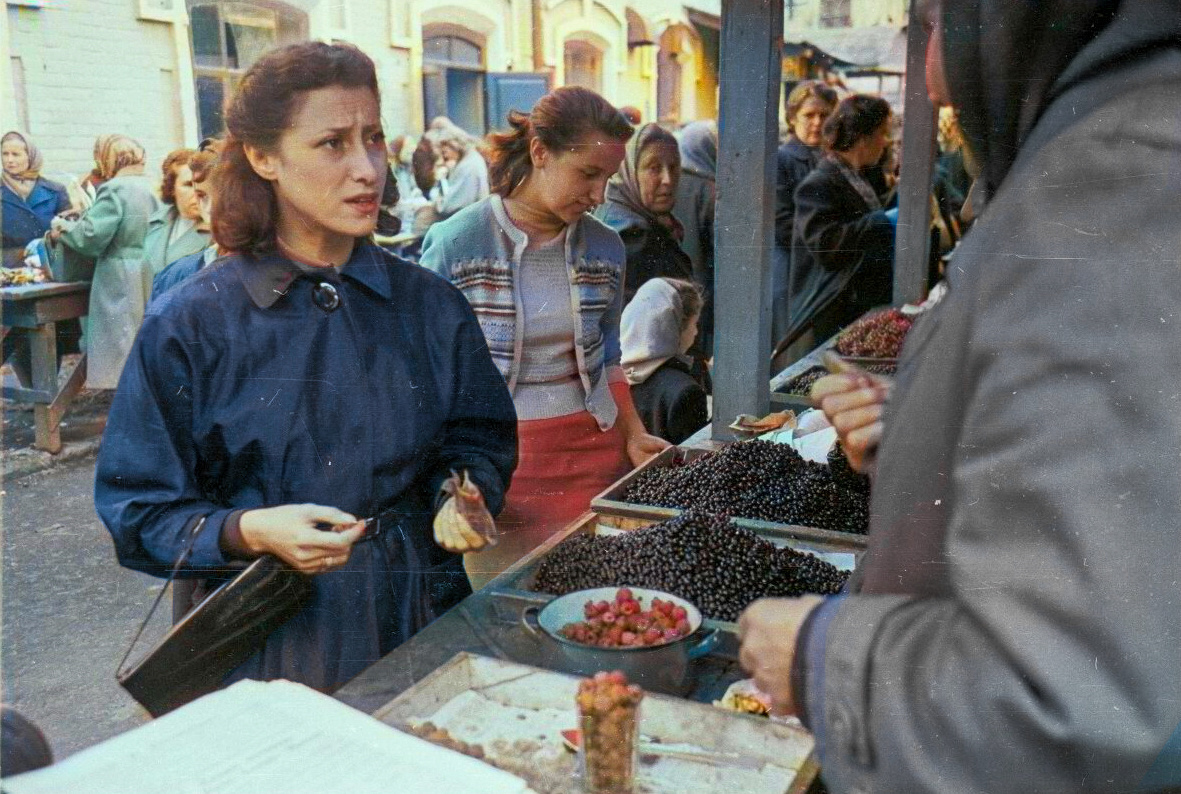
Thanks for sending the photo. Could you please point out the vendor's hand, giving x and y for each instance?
(454, 533)
(53, 235)
(642, 446)
(853, 404)
(768, 629)
(289, 532)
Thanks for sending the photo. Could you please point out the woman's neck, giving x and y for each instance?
(528, 213)
(304, 245)
(850, 158)
(131, 170)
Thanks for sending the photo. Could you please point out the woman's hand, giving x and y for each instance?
(454, 533)
(289, 532)
(642, 446)
(853, 404)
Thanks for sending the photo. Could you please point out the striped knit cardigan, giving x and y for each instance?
(479, 251)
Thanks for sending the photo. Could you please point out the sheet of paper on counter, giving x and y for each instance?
(266, 737)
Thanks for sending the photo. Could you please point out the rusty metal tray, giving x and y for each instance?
(516, 713)
(611, 502)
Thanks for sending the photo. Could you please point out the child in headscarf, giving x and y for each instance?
(657, 330)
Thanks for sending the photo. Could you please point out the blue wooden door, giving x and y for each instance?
(505, 91)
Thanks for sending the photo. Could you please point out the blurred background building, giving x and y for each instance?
(161, 69)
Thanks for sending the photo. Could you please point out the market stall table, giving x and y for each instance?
(489, 623)
(30, 315)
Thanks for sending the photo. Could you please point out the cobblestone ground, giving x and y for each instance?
(69, 611)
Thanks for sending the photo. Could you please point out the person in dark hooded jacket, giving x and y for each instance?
(1014, 627)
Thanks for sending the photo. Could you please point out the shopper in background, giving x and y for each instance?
(30, 201)
(308, 380)
(809, 105)
(639, 205)
(1015, 625)
(202, 165)
(173, 231)
(694, 209)
(467, 172)
(112, 233)
(659, 326)
(842, 261)
(546, 280)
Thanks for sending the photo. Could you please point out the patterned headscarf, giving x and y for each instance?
(624, 187)
(23, 183)
(113, 153)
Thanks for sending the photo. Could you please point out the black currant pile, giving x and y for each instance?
(759, 480)
(802, 384)
(843, 474)
(719, 567)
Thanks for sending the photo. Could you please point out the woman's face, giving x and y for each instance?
(204, 195)
(809, 120)
(329, 168)
(659, 171)
(186, 197)
(15, 155)
(877, 143)
(689, 334)
(573, 181)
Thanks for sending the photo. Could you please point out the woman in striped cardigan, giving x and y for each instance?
(546, 282)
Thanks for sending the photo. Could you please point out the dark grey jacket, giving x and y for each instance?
(1018, 628)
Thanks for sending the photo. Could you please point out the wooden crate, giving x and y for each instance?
(611, 502)
(516, 713)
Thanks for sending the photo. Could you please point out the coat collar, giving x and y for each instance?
(41, 194)
(267, 278)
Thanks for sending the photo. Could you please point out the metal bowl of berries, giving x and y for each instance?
(648, 635)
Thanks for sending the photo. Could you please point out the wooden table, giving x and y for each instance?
(30, 314)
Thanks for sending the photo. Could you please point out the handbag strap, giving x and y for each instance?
(184, 555)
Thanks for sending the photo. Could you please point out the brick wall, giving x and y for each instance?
(91, 68)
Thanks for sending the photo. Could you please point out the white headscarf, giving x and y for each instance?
(650, 330)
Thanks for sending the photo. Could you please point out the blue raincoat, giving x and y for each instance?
(243, 390)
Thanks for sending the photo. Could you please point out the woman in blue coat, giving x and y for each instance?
(305, 382)
(30, 200)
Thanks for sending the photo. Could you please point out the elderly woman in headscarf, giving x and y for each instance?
(30, 200)
(696, 197)
(657, 330)
(639, 204)
(112, 232)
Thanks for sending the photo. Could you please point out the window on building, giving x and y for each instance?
(584, 65)
(453, 78)
(228, 37)
(836, 13)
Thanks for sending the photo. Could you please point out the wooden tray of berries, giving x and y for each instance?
(611, 502)
(512, 716)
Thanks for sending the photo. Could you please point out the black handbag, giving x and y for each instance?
(216, 636)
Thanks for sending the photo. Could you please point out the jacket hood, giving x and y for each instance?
(1006, 61)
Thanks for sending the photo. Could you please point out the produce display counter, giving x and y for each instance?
(491, 623)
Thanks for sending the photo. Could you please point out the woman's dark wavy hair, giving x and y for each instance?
(560, 119)
(856, 117)
(245, 211)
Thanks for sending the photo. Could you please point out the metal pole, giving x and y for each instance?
(751, 69)
(912, 245)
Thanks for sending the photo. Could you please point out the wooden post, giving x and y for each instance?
(43, 346)
(751, 66)
(912, 246)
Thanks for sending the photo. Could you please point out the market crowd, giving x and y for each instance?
(467, 338)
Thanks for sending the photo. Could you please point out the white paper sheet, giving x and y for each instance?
(255, 738)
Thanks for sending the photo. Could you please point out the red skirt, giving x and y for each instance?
(563, 463)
